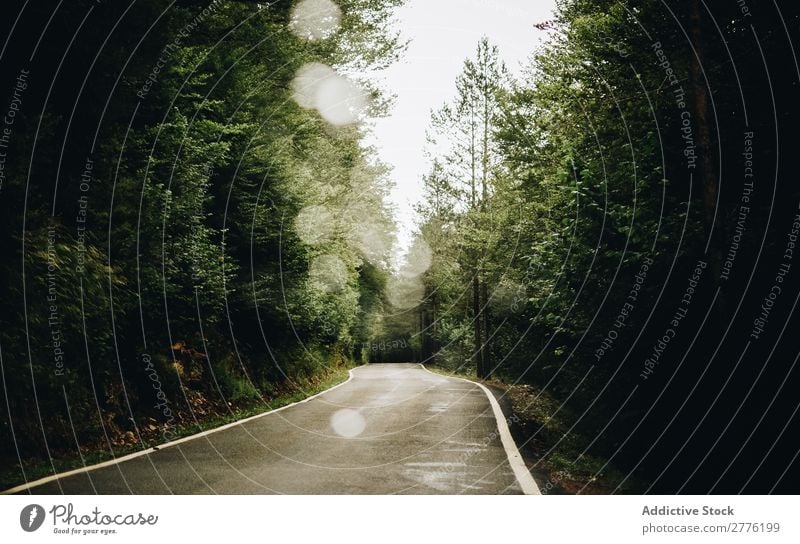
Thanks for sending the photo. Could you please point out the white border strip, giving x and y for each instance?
(111, 462)
(523, 475)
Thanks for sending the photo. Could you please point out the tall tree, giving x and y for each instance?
(464, 132)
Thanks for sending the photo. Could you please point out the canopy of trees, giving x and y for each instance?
(590, 217)
(188, 225)
(192, 221)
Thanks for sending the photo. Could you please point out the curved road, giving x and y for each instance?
(392, 428)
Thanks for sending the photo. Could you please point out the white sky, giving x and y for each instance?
(443, 34)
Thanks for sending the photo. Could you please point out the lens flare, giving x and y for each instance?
(315, 19)
(338, 99)
(314, 225)
(328, 273)
(348, 423)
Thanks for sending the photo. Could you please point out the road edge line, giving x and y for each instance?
(148, 451)
(521, 472)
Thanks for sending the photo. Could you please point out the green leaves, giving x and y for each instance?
(203, 164)
(574, 187)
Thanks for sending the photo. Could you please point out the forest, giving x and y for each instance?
(617, 230)
(191, 231)
(155, 172)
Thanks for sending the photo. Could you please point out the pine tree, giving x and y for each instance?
(465, 131)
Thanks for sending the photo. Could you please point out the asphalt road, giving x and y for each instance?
(392, 428)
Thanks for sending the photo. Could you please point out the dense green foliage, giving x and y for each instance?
(156, 206)
(606, 160)
(187, 230)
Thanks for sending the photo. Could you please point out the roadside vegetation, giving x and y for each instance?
(587, 218)
(194, 228)
(543, 429)
(199, 235)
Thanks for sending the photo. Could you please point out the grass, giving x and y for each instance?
(557, 453)
(40, 468)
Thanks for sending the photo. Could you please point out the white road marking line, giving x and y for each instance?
(54, 477)
(521, 472)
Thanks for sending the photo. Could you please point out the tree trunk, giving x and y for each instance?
(434, 332)
(485, 351)
(483, 206)
(705, 173)
(476, 321)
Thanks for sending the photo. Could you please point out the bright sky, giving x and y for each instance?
(443, 34)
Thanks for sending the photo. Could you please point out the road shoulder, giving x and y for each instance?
(518, 464)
